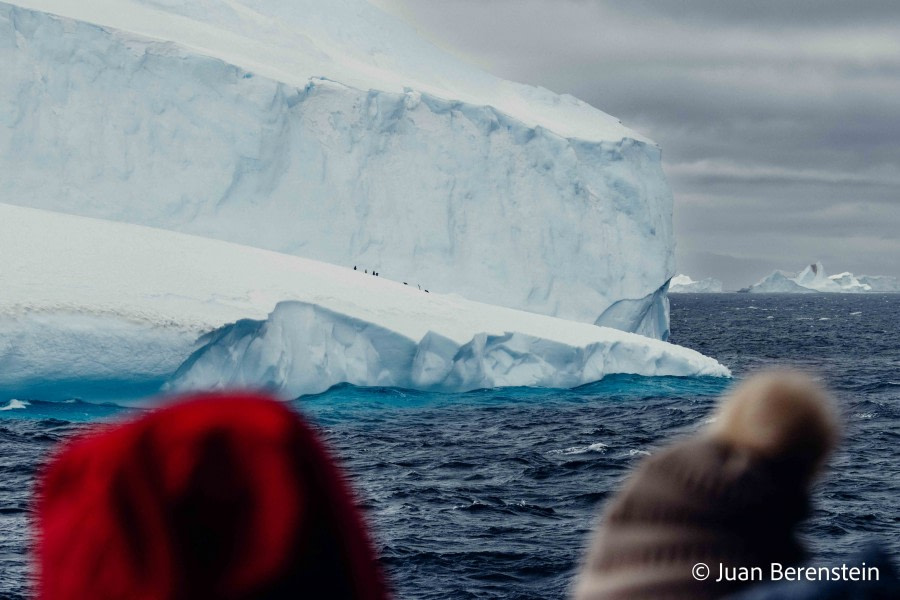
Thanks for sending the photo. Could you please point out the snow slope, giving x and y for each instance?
(683, 284)
(329, 130)
(91, 299)
(813, 278)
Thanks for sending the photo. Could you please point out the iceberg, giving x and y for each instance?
(330, 130)
(813, 276)
(813, 279)
(683, 284)
(848, 283)
(92, 299)
(779, 282)
(880, 283)
(304, 348)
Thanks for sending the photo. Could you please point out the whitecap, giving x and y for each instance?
(857, 313)
(599, 447)
(636, 452)
(15, 404)
(474, 504)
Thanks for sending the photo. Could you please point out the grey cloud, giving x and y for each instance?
(773, 13)
(794, 218)
(715, 172)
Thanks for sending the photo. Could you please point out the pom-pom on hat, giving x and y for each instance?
(783, 415)
(219, 496)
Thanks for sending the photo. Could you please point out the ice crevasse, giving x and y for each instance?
(331, 131)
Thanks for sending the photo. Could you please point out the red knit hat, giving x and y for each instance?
(220, 496)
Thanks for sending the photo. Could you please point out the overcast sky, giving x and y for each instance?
(779, 120)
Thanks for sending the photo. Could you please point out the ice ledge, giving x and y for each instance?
(303, 349)
(151, 292)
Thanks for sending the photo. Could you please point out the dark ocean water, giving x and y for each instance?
(492, 494)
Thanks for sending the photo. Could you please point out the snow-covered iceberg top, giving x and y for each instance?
(348, 41)
(683, 284)
(813, 278)
(65, 276)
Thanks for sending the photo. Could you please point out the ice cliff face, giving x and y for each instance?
(273, 125)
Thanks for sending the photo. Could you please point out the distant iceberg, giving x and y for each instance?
(683, 284)
(779, 282)
(880, 283)
(845, 282)
(814, 279)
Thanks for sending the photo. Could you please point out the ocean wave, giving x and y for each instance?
(14, 404)
(509, 508)
(598, 447)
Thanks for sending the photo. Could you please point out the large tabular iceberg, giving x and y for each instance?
(92, 300)
(330, 130)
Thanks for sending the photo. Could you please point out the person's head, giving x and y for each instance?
(219, 496)
(730, 495)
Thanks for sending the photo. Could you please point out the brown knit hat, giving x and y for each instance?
(729, 496)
